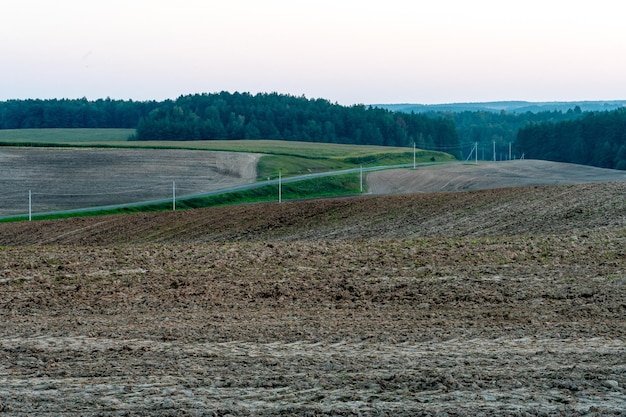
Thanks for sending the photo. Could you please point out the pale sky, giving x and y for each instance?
(346, 51)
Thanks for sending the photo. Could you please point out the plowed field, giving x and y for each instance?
(74, 178)
(499, 302)
(487, 175)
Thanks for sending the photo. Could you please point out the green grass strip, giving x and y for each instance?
(325, 187)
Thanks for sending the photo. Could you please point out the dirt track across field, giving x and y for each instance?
(497, 302)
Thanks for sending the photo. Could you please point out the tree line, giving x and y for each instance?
(486, 127)
(597, 138)
(590, 138)
(74, 113)
(274, 116)
(237, 116)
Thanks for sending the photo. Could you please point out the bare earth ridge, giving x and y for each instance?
(507, 301)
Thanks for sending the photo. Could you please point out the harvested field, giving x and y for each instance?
(487, 175)
(567, 209)
(495, 302)
(71, 178)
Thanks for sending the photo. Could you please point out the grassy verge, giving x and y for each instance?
(269, 165)
(340, 185)
(287, 157)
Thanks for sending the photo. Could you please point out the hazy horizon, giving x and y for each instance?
(348, 52)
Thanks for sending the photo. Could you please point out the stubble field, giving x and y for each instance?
(75, 178)
(497, 302)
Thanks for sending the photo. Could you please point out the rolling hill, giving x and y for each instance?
(487, 175)
(483, 302)
(488, 209)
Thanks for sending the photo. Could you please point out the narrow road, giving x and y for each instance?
(244, 187)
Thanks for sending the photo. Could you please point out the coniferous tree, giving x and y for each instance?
(597, 139)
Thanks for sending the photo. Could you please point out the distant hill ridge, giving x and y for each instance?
(507, 106)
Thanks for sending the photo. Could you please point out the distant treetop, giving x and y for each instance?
(236, 116)
(275, 116)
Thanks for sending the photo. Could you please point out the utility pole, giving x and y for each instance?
(413, 155)
(509, 151)
(361, 178)
(30, 206)
(494, 151)
(173, 196)
(476, 153)
(280, 187)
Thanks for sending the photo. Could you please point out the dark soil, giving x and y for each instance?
(76, 178)
(567, 209)
(499, 302)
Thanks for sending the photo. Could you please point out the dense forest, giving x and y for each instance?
(487, 127)
(80, 113)
(597, 139)
(591, 138)
(237, 116)
(275, 116)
